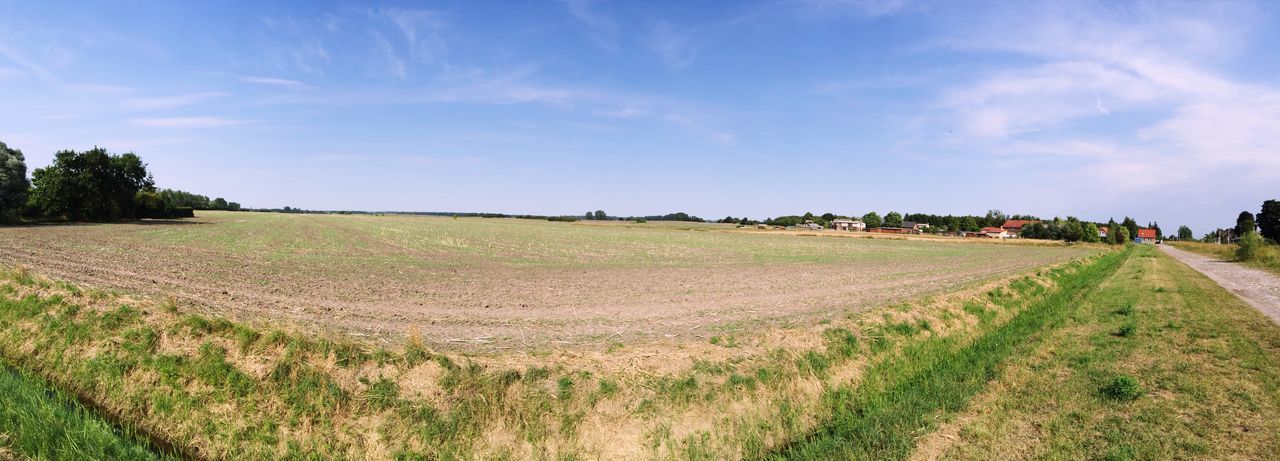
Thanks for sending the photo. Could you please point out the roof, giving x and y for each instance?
(1147, 233)
(845, 220)
(992, 229)
(1017, 223)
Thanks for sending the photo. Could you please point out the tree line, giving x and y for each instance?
(92, 185)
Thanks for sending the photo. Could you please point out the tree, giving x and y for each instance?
(589, 216)
(893, 219)
(92, 185)
(1132, 226)
(13, 183)
(1184, 233)
(1250, 242)
(1269, 220)
(994, 218)
(1245, 224)
(1156, 226)
(1122, 235)
(1090, 233)
(1072, 231)
(872, 219)
(1111, 231)
(219, 203)
(600, 216)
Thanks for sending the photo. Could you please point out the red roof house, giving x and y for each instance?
(1147, 236)
(1014, 226)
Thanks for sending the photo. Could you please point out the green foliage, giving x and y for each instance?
(1184, 233)
(1122, 388)
(91, 186)
(13, 183)
(1269, 220)
(893, 219)
(1250, 246)
(1090, 233)
(1123, 236)
(872, 220)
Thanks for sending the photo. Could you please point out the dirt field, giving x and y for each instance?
(488, 283)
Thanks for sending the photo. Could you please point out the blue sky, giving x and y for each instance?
(1164, 111)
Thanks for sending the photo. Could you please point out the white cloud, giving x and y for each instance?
(272, 81)
(188, 122)
(168, 102)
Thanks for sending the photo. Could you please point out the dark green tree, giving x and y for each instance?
(1122, 235)
(1131, 225)
(1245, 223)
(589, 216)
(91, 186)
(892, 219)
(600, 216)
(1269, 220)
(1090, 233)
(13, 183)
(1184, 233)
(873, 220)
(219, 203)
(1112, 227)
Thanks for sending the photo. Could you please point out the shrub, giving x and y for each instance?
(1122, 387)
(1250, 243)
(1127, 330)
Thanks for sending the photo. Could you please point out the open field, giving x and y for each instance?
(507, 282)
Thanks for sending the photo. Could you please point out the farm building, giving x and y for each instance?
(1013, 227)
(1146, 236)
(809, 225)
(1103, 231)
(995, 232)
(848, 225)
(915, 227)
(889, 230)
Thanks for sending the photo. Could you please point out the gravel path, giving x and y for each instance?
(1259, 288)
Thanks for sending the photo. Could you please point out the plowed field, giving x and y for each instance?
(490, 283)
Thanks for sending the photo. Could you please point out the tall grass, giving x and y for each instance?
(43, 424)
(881, 418)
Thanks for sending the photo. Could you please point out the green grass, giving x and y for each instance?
(882, 417)
(39, 423)
(1196, 377)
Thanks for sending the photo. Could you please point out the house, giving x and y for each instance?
(1013, 227)
(915, 227)
(889, 230)
(1103, 231)
(1146, 236)
(848, 225)
(995, 232)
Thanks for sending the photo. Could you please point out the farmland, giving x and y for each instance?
(505, 282)
(634, 341)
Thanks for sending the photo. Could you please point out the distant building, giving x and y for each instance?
(1146, 236)
(1103, 231)
(915, 227)
(809, 225)
(889, 230)
(1013, 227)
(995, 232)
(848, 225)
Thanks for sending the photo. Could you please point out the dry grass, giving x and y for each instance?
(223, 389)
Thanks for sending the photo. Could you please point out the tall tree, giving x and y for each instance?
(600, 216)
(13, 183)
(1245, 223)
(1090, 233)
(892, 219)
(1111, 231)
(872, 219)
(1269, 220)
(1132, 226)
(92, 185)
(1184, 233)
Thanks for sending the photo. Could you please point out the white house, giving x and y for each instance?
(848, 225)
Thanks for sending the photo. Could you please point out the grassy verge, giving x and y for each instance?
(881, 417)
(1268, 257)
(220, 389)
(38, 423)
(1158, 363)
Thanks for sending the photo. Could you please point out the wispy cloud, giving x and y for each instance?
(600, 29)
(676, 47)
(168, 102)
(188, 122)
(273, 81)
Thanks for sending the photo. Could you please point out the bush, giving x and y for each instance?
(1122, 387)
(1250, 243)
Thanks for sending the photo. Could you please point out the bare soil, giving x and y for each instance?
(383, 287)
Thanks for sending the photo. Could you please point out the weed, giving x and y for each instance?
(1126, 330)
(1122, 388)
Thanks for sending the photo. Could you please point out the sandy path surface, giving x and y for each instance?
(1259, 288)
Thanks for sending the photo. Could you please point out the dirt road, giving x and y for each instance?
(1259, 288)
